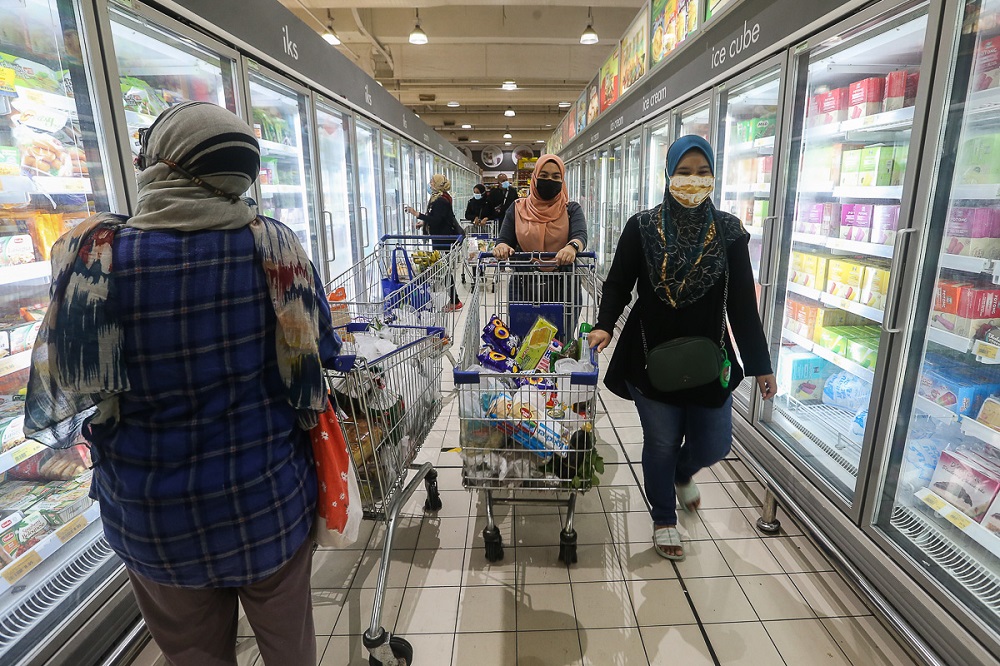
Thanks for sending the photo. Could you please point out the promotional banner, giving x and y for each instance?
(610, 80)
(634, 50)
(570, 122)
(581, 111)
(670, 23)
(594, 99)
(714, 7)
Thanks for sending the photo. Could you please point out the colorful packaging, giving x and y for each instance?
(876, 166)
(843, 279)
(536, 343)
(949, 387)
(899, 158)
(875, 287)
(764, 127)
(987, 72)
(833, 339)
(23, 536)
(22, 338)
(497, 335)
(10, 165)
(973, 232)
(494, 360)
(856, 222)
(989, 413)
(832, 317)
(850, 167)
(545, 365)
(900, 90)
(764, 166)
(965, 485)
(863, 351)
(61, 507)
(831, 106)
(16, 250)
(809, 270)
(991, 520)
(22, 495)
(802, 375)
(847, 391)
(760, 212)
(885, 223)
(522, 422)
(978, 160)
(866, 97)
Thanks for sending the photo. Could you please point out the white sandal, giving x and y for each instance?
(687, 495)
(667, 537)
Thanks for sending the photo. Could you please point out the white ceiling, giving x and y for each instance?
(474, 45)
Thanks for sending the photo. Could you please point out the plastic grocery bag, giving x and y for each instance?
(338, 502)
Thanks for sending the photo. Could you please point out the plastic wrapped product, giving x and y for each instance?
(497, 336)
(534, 380)
(495, 360)
(847, 391)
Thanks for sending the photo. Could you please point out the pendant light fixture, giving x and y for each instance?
(506, 133)
(509, 112)
(330, 36)
(418, 36)
(509, 84)
(589, 36)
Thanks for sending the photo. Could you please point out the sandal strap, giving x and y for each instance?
(667, 536)
(687, 493)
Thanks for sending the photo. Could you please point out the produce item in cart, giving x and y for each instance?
(497, 336)
(536, 343)
(496, 361)
(54, 464)
(847, 391)
(582, 464)
(23, 536)
(963, 483)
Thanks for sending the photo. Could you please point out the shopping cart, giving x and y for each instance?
(530, 445)
(476, 243)
(425, 267)
(387, 405)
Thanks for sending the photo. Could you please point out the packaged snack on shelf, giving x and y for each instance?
(809, 270)
(875, 287)
(856, 222)
(866, 97)
(61, 507)
(760, 212)
(800, 318)
(16, 250)
(987, 72)
(802, 375)
(12, 429)
(22, 337)
(850, 168)
(885, 222)
(899, 158)
(496, 361)
(20, 538)
(900, 90)
(978, 159)
(920, 458)
(950, 388)
(863, 351)
(831, 317)
(21, 495)
(876, 166)
(973, 232)
(965, 485)
(54, 464)
(536, 343)
(844, 279)
(765, 165)
(963, 308)
(10, 164)
(847, 391)
(497, 336)
(764, 127)
(831, 106)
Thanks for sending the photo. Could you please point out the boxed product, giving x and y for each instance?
(866, 97)
(16, 250)
(989, 413)
(843, 279)
(760, 212)
(899, 164)
(978, 160)
(801, 375)
(831, 106)
(21, 537)
(535, 344)
(875, 287)
(856, 222)
(963, 308)
(900, 90)
(809, 270)
(969, 487)
(850, 168)
(862, 349)
(834, 338)
(885, 222)
(800, 318)
(21, 495)
(832, 317)
(743, 131)
(63, 506)
(987, 72)
(952, 389)
(991, 520)
(764, 127)
(876, 166)
(22, 337)
(764, 166)
(10, 165)
(973, 232)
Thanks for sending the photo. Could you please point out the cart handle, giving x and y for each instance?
(575, 378)
(542, 256)
(421, 237)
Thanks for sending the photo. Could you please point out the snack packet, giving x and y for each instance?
(533, 379)
(545, 364)
(494, 360)
(536, 343)
(498, 336)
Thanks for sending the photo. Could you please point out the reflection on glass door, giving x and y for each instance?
(656, 162)
(696, 120)
(369, 187)
(281, 125)
(601, 204)
(159, 68)
(613, 223)
(336, 171)
(409, 180)
(842, 214)
(631, 197)
(392, 203)
(939, 501)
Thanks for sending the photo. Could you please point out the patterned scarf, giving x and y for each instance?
(78, 363)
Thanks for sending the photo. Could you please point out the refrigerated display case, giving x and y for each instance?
(336, 175)
(370, 186)
(54, 173)
(658, 141)
(408, 162)
(613, 207)
(695, 119)
(848, 158)
(632, 195)
(392, 203)
(938, 500)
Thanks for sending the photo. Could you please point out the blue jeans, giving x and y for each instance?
(678, 441)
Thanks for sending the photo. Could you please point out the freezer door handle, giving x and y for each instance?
(328, 216)
(364, 225)
(891, 306)
(768, 221)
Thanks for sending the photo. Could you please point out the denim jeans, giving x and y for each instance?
(678, 441)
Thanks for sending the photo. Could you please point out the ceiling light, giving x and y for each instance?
(330, 36)
(589, 36)
(474, 141)
(509, 84)
(506, 143)
(563, 105)
(418, 36)
(540, 141)
(466, 126)
(507, 135)
(509, 112)
(454, 105)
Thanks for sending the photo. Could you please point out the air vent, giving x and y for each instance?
(425, 97)
(449, 123)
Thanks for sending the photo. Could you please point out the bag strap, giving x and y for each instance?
(395, 266)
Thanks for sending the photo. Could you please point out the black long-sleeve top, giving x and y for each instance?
(478, 208)
(501, 200)
(439, 220)
(662, 322)
(577, 227)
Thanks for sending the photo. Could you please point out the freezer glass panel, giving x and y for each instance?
(848, 159)
(370, 186)
(633, 175)
(159, 68)
(408, 164)
(280, 121)
(694, 121)
(393, 203)
(613, 222)
(939, 498)
(656, 162)
(51, 178)
(336, 172)
(598, 225)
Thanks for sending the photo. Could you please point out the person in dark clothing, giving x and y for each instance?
(439, 220)
(477, 210)
(502, 197)
(678, 254)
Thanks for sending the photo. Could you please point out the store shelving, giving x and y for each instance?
(843, 245)
(802, 290)
(950, 340)
(827, 355)
(853, 307)
(965, 264)
(275, 148)
(960, 521)
(46, 548)
(893, 192)
(19, 454)
(761, 147)
(980, 431)
(45, 185)
(931, 408)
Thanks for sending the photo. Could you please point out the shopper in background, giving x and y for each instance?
(477, 210)
(188, 341)
(440, 220)
(502, 197)
(679, 253)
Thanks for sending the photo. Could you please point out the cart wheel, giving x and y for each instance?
(401, 650)
(567, 547)
(494, 544)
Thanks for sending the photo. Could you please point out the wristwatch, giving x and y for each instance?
(577, 245)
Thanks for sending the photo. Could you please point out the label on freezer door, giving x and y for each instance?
(21, 567)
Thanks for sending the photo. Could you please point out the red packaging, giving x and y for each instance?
(979, 303)
(764, 166)
(900, 90)
(866, 97)
(987, 65)
(948, 294)
(831, 107)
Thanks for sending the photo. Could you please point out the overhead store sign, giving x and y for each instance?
(749, 29)
(267, 27)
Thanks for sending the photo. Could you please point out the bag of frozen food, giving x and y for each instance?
(54, 464)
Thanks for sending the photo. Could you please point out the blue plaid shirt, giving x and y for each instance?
(207, 481)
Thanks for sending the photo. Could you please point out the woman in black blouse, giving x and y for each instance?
(679, 254)
(439, 220)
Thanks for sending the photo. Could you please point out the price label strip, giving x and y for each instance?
(20, 567)
(72, 528)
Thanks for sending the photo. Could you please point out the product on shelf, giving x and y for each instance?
(866, 97)
(22, 536)
(830, 107)
(802, 375)
(875, 287)
(900, 90)
(899, 158)
(808, 270)
(764, 167)
(987, 73)
(53, 465)
(964, 308)
(760, 212)
(856, 222)
(850, 168)
(62, 506)
(885, 223)
(876, 166)
(847, 391)
(978, 160)
(955, 386)
(973, 232)
(965, 484)
(843, 279)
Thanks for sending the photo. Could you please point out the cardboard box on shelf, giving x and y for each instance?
(833, 339)
(991, 520)
(964, 308)
(866, 97)
(760, 212)
(843, 279)
(764, 127)
(802, 375)
(966, 486)
(885, 222)
(978, 160)
(832, 318)
(19, 538)
(863, 351)
(948, 387)
(856, 222)
(973, 232)
(899, 164)
(850, 168)
(62, 506)
(876, 166)
(764, 166)
(875, 287)
(831, 106)
(987, 72)
(808, 270)
(900, 90)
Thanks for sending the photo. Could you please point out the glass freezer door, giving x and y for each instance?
(939, 502)
(658, 140)
(391, 173)
(848, 156)
(369, 186)
(52, 177)
(409, 178)
(631, 197)
(613, 222)
(695, 120)
(336, 172)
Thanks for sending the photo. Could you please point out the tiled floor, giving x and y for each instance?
(739, 598)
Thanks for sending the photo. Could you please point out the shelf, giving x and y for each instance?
(845, 364)
(15, 363)
(46, 548)
(44, 185)
(282, 189)
(983, 433)
(984, 101)
(950, 340)
(756, 189)
(819, 189)
(275, 148)
(852, 307)
(809, 239)
(931, 408)
(971, 528)
(899, 119)
(808, 292)
(989, 192)
(25, 272)
(886, 192)
(799, 340)
(763, 146)
(843, 245)
(19, 454)
(966, 264)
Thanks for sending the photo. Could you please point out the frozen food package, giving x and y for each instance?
(20, 538)
(964, 484)
(847, 391)
(497, 336)
(536, 343)
(54, 464)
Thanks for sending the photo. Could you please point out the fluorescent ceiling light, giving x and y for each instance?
(540, 141)
(466, 126)
(506, 143)
(331, 37)
(454, 105)
(509, 84)
(563, 105)
(418, 36)
(507, 135)
(474, 141)
(509, 112)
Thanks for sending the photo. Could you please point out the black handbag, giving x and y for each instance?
(689, 362)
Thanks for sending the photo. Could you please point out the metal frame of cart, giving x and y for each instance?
(513, 455)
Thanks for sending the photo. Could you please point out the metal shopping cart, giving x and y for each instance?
(530, 445)
(476, 243)
(424, 269)
(387, 404)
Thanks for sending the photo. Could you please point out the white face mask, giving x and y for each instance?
(477, 196)
(691, 191)
(505, 184)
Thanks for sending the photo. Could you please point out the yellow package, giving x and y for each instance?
(535, 343)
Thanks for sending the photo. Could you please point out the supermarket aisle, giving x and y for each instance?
(751, 600)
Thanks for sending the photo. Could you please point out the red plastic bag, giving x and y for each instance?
(338, 505)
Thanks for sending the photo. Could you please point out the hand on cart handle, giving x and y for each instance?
(598, 339)
(566, 256)
(502, 251)
(768, 386)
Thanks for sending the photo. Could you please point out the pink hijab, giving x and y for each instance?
(543, 226)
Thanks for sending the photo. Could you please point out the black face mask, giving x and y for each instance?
(548, 189)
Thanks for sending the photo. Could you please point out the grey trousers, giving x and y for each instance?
(197, 627)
